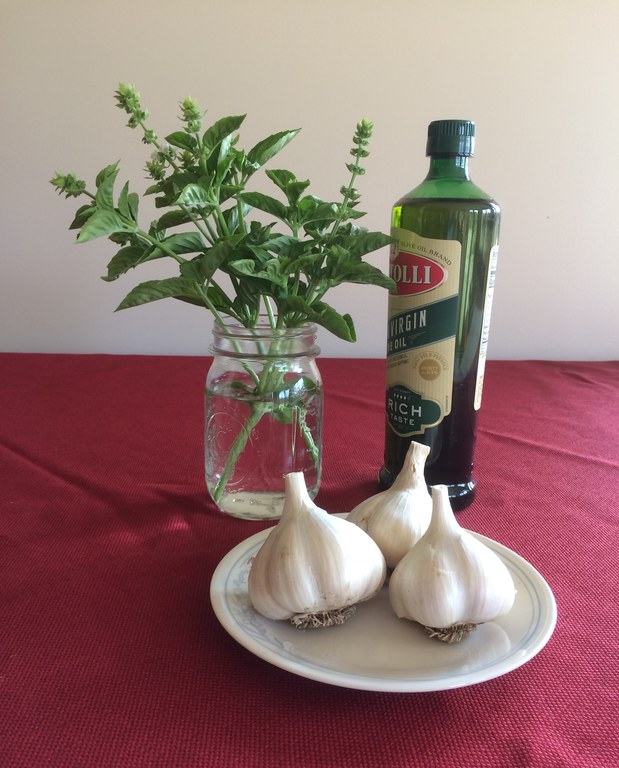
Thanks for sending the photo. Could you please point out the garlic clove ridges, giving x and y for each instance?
(450, 582)
(398, 517)
(313, 566)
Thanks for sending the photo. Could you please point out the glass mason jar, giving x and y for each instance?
(263, 416)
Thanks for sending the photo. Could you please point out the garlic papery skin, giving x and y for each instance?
(450, 581)
(313, 567)
(397, 518)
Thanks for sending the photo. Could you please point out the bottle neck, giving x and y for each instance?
(448, 167)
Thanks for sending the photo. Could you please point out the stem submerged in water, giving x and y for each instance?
(238, 446)
(272, 395)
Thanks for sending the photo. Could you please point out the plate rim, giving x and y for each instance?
(541, 633)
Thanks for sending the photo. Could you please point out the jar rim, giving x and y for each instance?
(263, 327)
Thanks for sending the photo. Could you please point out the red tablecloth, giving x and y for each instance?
(110, 654)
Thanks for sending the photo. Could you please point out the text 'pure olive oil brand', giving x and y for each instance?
(443, 261)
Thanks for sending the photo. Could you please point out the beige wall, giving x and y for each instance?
(540, 78)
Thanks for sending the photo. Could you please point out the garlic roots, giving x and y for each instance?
(450, 582)
(398, 517)
(313, 567)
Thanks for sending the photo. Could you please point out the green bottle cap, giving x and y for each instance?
(451, 137)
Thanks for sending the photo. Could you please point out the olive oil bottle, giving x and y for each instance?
(443, 262)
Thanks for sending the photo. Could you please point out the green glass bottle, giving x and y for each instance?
(443, 261)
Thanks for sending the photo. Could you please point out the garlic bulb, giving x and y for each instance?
(313, 567)
(450, 581)
(398, 517)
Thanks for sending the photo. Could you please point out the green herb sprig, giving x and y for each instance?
(282, 268)
(200, 179)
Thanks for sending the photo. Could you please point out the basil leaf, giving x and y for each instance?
(184, 242)
(219, 130)
(285, 246)
(172, 219)
(105, 172)
(153, 290)
(123, 261)
(365, 274)
(82, 215)
(133, 200)
(123, 202)
(269, 271)
(320, 215)
(365, 242)
(225, 160)
(233, 216)
(268, 148)
(265, 203)
(105, 186)
(309, 264)
(203, 267)
(322, 314)
(103, 223)
(289, 184)
(193, 195)
(182, 140)
(281, 177)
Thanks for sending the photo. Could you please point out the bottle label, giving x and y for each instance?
(485, 326)
(423, 318)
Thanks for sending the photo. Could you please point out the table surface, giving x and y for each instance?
(110, 653)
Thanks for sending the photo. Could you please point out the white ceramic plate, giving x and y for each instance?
(375, 650)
